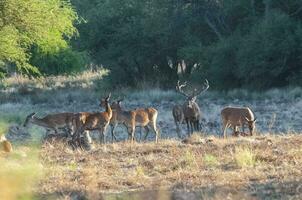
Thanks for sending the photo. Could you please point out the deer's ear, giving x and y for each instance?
(255, 120)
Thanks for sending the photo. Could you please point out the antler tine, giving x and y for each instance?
(179, 90)
(204, 88)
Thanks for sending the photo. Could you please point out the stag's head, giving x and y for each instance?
(191, 98)
(104, 101)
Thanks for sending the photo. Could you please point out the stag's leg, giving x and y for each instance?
(177, 128)
(192, 123)
(188, 126)
(197, 125)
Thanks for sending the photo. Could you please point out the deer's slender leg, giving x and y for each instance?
(188, 127)
(102, 132)
(177, 128)
(192, 126)
(113, 137)
(131, 132)
(197, 125)
(154, 129)
(140, 133)
(225, 127)
(147, 130)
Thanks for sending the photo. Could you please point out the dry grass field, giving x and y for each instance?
(266, 166)
(248, 167)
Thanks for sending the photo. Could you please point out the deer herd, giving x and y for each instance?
(77, 125)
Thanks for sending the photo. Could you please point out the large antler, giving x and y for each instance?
(204, 88)
(179, 88)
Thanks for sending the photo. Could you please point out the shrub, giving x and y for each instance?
(210, 160)
(245, 157)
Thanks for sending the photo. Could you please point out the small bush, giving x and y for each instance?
(210, 160)
(189, 160)
(245, 157)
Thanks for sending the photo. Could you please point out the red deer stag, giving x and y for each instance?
(190, 109)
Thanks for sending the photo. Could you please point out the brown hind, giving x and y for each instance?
(93, 121)
(142, 117)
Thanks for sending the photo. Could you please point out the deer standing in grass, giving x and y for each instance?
(52, 122)
(124, 117)
(93, 121)
(142, 117)
(237, 116)
(189, 111)
(6, 145)
(179, 117)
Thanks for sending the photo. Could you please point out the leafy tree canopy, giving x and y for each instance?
(24, 24)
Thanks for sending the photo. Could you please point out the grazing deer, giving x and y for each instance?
(6, 145)
(93, 121)
(237, 116)
(52, 122)
(190, 108)
(142, 117)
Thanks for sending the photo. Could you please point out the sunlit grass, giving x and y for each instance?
(245, 157)
(19, 172)
(210, 160)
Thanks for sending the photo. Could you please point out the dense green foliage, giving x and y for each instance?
(34, 28)
(234, 43)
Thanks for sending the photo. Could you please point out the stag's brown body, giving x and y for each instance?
(237, 116)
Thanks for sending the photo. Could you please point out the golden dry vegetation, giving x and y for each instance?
(260, 166)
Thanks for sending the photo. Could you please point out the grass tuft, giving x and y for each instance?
(245, 157)
(210, 160)
(18, 173)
